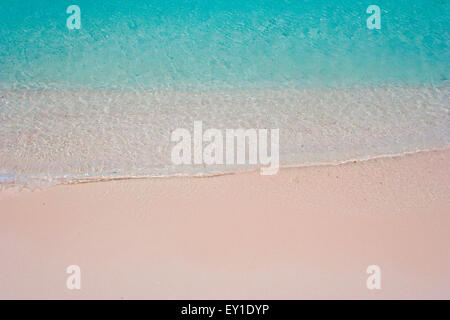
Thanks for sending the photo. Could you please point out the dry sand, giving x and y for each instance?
(304, 233)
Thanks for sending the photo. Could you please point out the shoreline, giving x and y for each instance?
(212, 174)
(307, 232)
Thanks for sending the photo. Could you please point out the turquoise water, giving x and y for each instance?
(102, 101)
(210, 44)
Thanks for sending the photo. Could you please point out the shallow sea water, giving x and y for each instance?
(102, 101)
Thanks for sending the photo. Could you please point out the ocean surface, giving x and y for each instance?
(101, 102)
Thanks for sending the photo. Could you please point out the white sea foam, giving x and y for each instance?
(50, 137)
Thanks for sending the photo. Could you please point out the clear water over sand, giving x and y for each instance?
(102, 101)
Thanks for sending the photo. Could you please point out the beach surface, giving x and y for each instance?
(307, 232)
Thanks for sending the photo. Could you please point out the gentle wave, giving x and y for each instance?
(51, 137)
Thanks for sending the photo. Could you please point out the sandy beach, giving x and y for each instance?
(306, 232)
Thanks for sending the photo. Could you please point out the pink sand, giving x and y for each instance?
(303, 233)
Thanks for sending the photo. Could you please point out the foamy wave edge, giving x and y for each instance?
(45, 182)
